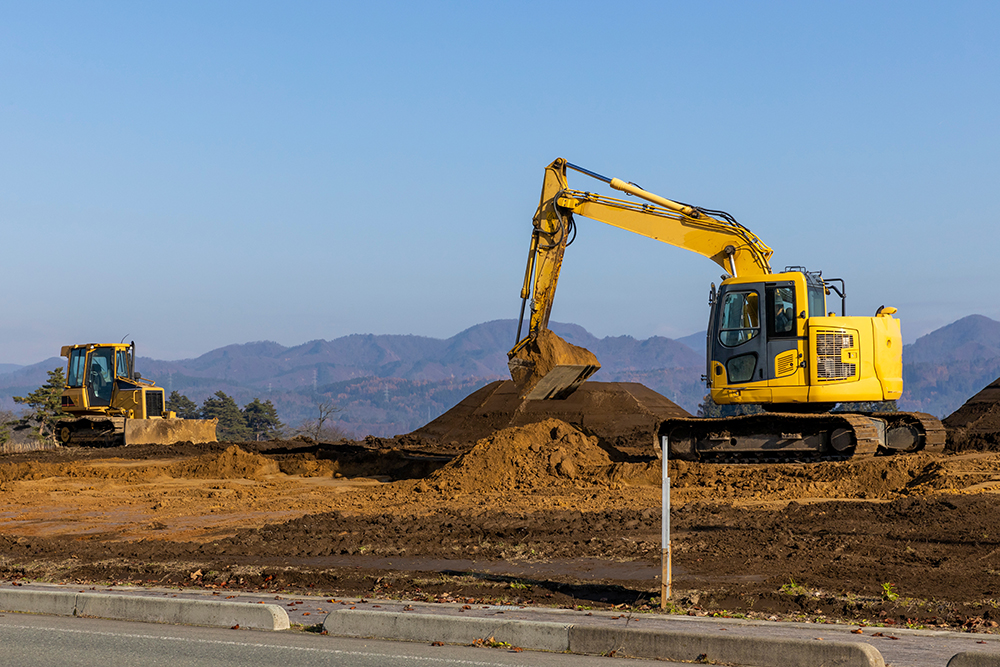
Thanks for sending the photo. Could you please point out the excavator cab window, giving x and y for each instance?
(781, 311)
(740, 318)
(77, 364)
(817, 301)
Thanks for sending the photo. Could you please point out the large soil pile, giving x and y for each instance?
(976, 425)
(621, 414)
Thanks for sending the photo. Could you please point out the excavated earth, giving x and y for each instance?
(496, 501)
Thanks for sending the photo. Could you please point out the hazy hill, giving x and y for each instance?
(946, 367)
(969, 339)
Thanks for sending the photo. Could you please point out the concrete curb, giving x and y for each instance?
(542, 636)
(146, 609)
(735, 650)
(587, 639)
(971, 659)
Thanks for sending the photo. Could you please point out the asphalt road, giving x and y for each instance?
(30, 640)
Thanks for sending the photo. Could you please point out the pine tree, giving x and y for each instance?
(182, 405)
(232, 426)
(46, 403)
(262, 419)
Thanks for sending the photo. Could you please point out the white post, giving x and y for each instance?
(666, 583)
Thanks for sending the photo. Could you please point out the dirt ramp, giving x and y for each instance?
(976, 425)
(623, 414)
(234, 463)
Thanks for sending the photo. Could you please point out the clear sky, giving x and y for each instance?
(194, 174)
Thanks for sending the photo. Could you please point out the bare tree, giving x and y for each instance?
(320, 429)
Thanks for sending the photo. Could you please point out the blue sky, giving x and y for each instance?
(191, 175)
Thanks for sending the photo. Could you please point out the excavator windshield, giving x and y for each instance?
(740, 318)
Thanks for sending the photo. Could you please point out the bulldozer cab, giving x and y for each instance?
(97, 369)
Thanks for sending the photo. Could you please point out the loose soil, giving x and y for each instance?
(545, 512)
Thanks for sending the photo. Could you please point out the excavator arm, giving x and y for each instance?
(542, 364)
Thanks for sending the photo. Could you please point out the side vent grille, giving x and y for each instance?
(784, 363)
(829, 361)
(154, 403)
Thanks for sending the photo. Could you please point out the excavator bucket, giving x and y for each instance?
(169, 431)
(547, 367)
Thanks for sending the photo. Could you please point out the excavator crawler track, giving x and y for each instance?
(800, 437)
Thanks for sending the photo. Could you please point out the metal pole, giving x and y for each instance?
(666, 578)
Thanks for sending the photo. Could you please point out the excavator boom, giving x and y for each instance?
(542, 364)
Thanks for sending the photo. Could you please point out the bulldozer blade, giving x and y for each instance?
(169, 431)
(547, 367)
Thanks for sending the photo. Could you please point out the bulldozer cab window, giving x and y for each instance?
(121, 363)
(77, 366)
(740, 318)
(100, 378)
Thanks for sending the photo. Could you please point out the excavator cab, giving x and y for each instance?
(772, 342)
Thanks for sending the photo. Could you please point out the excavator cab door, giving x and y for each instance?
(739, 344)
(783, 341)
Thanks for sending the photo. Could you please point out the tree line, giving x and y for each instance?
(255, 421)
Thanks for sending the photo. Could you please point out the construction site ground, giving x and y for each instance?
(539, 513)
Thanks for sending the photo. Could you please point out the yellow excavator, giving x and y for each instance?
(771, 340)
(110, 404)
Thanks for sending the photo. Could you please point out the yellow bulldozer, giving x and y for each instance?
(110, 404)
(771, 341)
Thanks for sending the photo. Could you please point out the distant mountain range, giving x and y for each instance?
(391, 384)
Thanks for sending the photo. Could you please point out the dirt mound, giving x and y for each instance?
(621, 414)
(976, 425)
(546, 453)
(234, 463)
